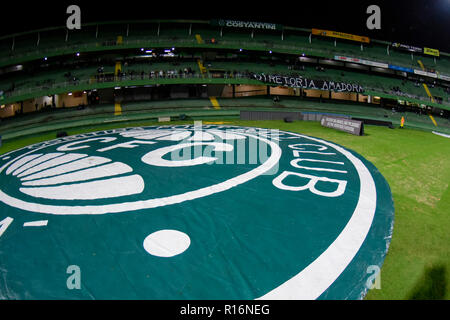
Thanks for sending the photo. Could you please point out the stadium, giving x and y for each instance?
(222, 159)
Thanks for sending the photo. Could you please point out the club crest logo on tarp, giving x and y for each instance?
(169, 212)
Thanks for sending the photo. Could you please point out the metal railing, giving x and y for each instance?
(92, 81)
(84, 46)
(176, 41)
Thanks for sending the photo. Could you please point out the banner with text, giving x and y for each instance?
(425, 73)
(355, 127)
(305, 83)
(340, 35)
(399, 68)
(246, 24)
(406, 47)
(362, 61)
(444, 77)
(431, 52)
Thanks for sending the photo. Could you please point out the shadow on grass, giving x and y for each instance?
(432, 285)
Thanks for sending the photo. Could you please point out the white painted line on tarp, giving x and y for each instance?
(442, 134)
(40, 223)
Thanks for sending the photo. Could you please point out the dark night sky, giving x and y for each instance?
(413, 22)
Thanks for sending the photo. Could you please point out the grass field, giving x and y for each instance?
(416, 165)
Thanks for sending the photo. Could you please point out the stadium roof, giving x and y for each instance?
(419, 22)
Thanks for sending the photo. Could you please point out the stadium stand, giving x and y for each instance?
(135, 61)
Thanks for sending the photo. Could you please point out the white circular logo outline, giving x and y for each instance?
(317, 277)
